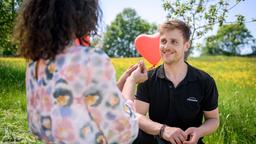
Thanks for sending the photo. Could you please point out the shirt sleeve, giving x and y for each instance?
(114, 115)
(210, 101)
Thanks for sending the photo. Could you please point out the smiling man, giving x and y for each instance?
(176, 96)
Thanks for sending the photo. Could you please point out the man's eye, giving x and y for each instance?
(174, 42)
(163, 41)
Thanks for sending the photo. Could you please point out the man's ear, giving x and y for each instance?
(186, 46)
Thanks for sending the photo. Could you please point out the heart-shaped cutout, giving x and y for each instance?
(148, 47)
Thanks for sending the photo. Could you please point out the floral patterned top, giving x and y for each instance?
(74, 99)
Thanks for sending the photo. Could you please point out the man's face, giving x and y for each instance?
(173, 46)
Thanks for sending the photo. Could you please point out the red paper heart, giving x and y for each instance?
(148, 47)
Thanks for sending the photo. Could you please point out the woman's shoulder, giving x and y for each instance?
(84, 50)
(77, 53)
(98, 52)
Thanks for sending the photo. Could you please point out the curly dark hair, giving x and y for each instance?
(44, 27)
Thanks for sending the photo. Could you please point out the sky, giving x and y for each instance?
(152, 11)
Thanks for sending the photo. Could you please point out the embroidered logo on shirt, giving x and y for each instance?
(192, 99)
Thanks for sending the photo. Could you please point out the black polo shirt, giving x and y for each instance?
(182, 106)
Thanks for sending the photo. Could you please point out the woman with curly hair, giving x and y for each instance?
(72, 96)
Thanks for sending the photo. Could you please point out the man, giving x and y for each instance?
(176, 95)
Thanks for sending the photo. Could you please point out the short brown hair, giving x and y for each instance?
(45, 27)
(176, 24)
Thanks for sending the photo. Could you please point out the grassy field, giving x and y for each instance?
(235, 78)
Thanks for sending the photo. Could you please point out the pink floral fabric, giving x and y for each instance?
(74, 99)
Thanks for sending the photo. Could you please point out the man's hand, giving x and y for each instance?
(193, 134)
(174, 135)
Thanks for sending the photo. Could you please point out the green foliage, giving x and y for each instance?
(201, 15)
(230, 40)
(234, 76)
(7, 17)
(118, 40)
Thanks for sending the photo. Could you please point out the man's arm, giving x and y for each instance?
(171, 134)
(145, 123)
(210, 124)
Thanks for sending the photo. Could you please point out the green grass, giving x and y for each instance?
(235, 78)
(13, 117)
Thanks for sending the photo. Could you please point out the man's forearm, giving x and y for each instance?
(148, 126)
(208, 127)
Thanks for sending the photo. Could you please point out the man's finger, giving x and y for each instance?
(188, 131)
(192, 138)
(177, 140)
(187, 142)
(172, 141)
(182, 137)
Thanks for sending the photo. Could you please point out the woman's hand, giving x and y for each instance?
(139, 75)
(125, 75)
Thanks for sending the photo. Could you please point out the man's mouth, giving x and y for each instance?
(168, 52)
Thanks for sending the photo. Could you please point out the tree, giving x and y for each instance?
(8, 14)
(230, 39)
(201, 15)
(118, 40)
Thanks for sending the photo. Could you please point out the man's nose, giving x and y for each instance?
(161, 46)
(164, 46)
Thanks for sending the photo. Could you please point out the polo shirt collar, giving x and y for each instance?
(160, 72)
(190, 76)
